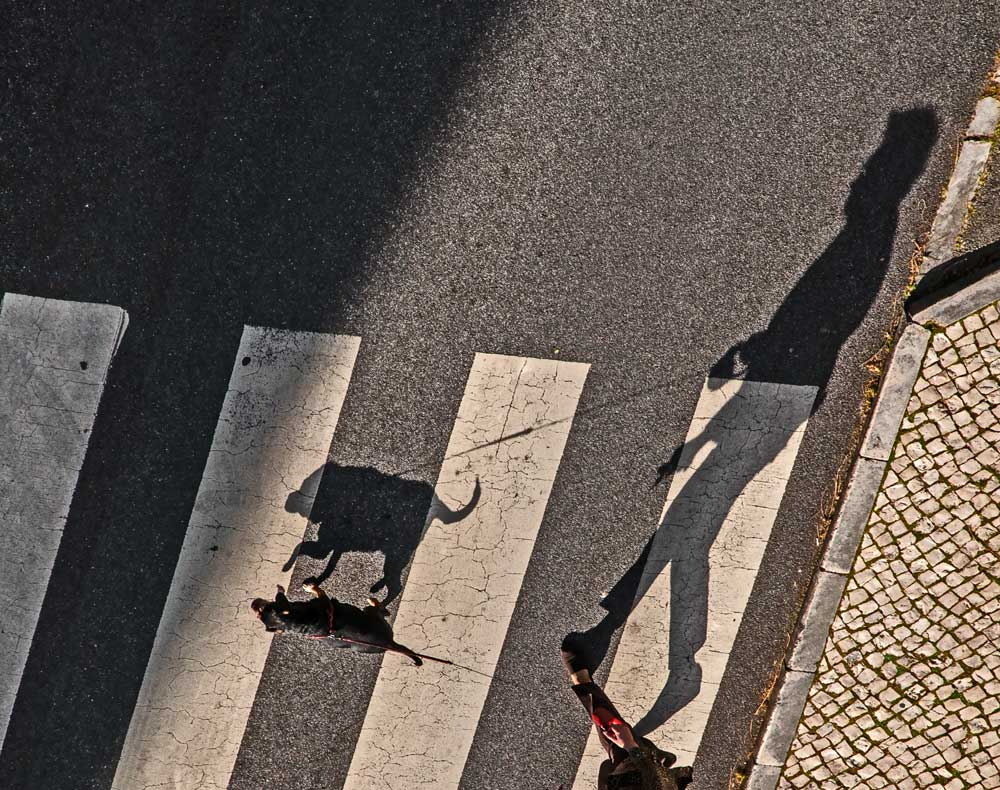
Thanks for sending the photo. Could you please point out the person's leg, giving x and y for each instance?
(591, 696)
(594, 700)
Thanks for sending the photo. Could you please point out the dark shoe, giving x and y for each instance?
(661, 756)
(575, 653)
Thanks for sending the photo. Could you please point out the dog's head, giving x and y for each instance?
(257, 605)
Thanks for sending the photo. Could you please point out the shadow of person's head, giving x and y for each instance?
(801, 342)
(894, 167)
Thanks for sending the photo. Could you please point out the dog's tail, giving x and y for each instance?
(416, 659)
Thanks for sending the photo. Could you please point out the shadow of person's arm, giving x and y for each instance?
(725, 368)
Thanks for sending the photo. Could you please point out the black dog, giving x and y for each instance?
(363, 630)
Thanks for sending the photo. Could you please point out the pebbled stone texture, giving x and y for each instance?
(908, 691)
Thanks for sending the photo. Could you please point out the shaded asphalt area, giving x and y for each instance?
(444, 179)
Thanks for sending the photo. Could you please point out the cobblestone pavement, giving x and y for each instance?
(908, 692)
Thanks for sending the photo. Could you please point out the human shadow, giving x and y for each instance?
(358, 508)
(800, 347)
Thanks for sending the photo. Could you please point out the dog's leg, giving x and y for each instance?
(291, 560)
(331, 566)
(392, 576)
(379, 607)
(312, 585)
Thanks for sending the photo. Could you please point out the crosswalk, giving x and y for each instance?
(465, 577)
(54, 360)
(276, 425)
(274, 431)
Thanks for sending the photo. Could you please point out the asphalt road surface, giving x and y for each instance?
(656, 192)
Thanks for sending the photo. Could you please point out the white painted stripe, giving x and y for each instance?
(275, 429)
(54, 360)
(721, 506)
(466, 576)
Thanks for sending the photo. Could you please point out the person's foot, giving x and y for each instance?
(576, 656)
(663, 757)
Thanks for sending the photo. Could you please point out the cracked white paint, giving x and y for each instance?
(54, 360)
(275, 429)
(723, 501)
(466, 576)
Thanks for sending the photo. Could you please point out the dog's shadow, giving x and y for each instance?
(361, 509)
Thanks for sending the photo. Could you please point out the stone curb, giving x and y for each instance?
(971, 299)
(830, 580)
(961, 190)
(764, 777)
(894, 393)
(941, 296)
(784, 719)
(853, 516)
(972, 158)
(807, 650)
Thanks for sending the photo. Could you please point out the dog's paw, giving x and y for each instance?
(378, 606)
(309, 584)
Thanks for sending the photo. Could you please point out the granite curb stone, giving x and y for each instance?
(845, 535)
(894, 393)
(764, 777)
(824, 598)
(984, 122)
(785, 717)
(961, 190)
(969, 300)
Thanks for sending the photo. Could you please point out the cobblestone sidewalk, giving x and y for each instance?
(908, 691)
